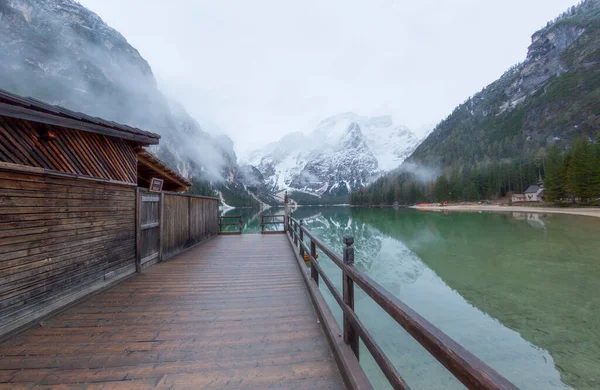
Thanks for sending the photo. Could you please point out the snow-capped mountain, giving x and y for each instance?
(343, 153)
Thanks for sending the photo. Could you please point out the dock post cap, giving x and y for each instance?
(348, 240)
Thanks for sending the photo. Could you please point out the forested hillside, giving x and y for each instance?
(574, 176)
(498, 141)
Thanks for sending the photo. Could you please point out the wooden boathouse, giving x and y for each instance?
(70, 219)
(110, 282)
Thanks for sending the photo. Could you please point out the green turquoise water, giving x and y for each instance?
(520, 291)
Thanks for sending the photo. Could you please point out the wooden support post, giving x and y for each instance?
(313, 270)
(301, 239)
(161, 227)
(138, 231)
(350, 334)
(241, 224)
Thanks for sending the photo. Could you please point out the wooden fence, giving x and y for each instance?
(168, 223)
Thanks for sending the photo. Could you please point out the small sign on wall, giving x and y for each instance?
(156, 184)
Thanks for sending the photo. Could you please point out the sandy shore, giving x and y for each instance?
(590, 212)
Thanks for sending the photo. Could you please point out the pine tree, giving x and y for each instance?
(595, 179)
(555, 178)
(442, 189)
(579, 173)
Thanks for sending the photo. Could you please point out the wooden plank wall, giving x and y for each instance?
(73, 151)
(187, 220)
(60, 239)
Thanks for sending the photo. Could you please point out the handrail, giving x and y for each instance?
(283, 221)
(465, 366)
(239, 223)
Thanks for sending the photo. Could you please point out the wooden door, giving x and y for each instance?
(149, 225)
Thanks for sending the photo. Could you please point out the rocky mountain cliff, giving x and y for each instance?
(497, 141)
(551, 97)
(62, 53)
(343, 153)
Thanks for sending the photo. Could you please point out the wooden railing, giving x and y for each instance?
(465, 366)
(269, 220)
(239, 224)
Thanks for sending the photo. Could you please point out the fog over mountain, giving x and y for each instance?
(62, 53)
(239, 77)
(261, 69)
(59, 52)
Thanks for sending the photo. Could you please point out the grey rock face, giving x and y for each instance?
(60, 52)
(544, 60)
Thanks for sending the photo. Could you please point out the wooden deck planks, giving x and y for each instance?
(230, 313)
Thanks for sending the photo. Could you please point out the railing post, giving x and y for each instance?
(313, 270)
(301, 239)
(350, 334)
(241, 223)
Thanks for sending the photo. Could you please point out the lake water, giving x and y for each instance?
(520, 291)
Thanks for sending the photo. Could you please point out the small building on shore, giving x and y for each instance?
(534, 193)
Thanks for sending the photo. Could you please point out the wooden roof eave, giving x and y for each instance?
(169, 186)
(41, 117)
(143, 159)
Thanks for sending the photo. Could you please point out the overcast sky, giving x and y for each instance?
(256, 69)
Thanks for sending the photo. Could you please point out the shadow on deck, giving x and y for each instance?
(232, 312)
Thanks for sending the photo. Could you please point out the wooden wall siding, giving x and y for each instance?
(187, 221)
(73, 151)
(60, 238)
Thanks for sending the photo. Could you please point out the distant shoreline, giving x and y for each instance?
(588, 212)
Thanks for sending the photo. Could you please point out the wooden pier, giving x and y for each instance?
(233, 312)
(149, 296)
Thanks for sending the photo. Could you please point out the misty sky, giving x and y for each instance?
(258, 69)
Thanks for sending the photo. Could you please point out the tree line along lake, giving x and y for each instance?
(519, 290)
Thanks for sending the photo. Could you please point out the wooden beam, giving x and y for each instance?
(48, 172)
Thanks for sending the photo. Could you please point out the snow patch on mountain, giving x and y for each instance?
(343, 153)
